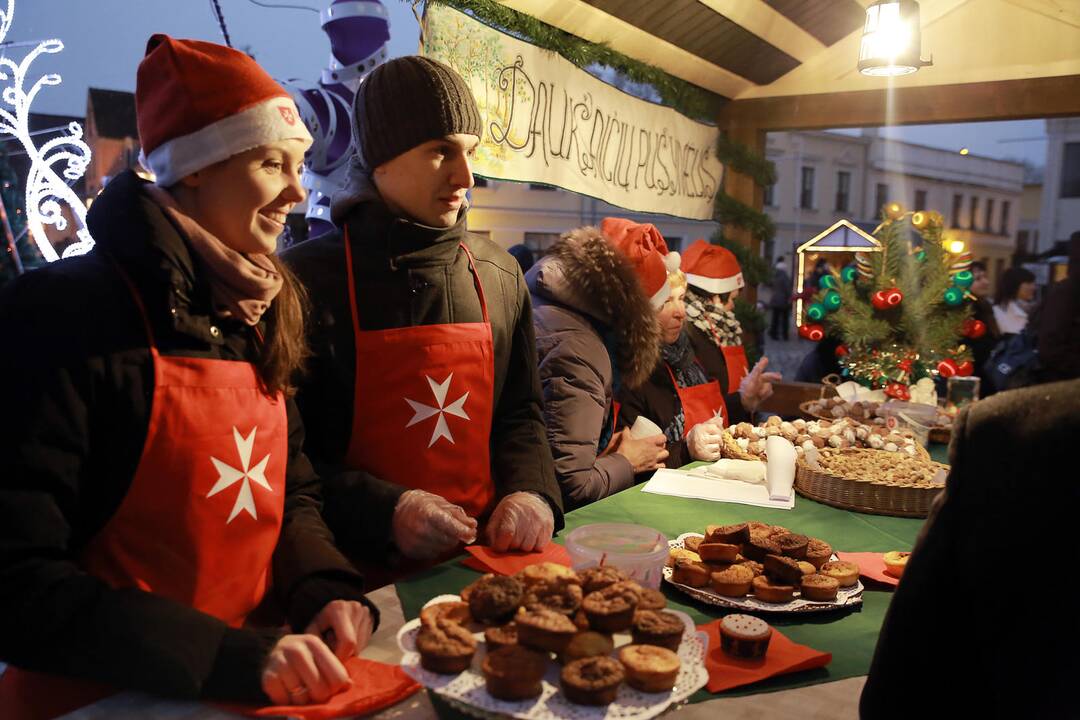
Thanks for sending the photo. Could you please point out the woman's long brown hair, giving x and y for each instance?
(285, 348)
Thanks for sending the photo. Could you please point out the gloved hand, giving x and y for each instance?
(426, 525)
(704, 440)
(521, 521)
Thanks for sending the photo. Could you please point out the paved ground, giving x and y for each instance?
(785, 356)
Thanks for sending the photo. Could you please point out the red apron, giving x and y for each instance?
(700, 403)
(734, 359)
(202, 516)
(423, 404)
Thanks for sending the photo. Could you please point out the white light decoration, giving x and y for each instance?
(46, 191)
(891, 40)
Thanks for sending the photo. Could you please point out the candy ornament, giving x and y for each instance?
(864, 267)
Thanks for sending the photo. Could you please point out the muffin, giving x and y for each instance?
(598, 578)
(895, 562)
(733, 582)
(649, 668)
(560, 596)
(586, 644)
(759, 546)
(501, 636)
(466, 592)
(766, 591)
(718, 552)
(744, 636)
(676, 553)
(592, 680)
(580, 620)
(759, 528)
(611, 609)
(495, 599)
(445, 646)
(821, 588)
(454, 611)
(807, 568)
(783, 569)
(846, 573)
(542, 628)
(730, 534)
(689, 572)
(514, 672)
(548, 572)
(755, 567)
(651, 600)
(656, 627)
(818, 552)
(691, 542)
(792, 545)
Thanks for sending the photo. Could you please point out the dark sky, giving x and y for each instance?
(104, 41)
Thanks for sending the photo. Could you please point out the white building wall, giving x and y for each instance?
(1060, 217)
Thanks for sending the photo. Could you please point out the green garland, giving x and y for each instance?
(742, 159)
(685, 97)
(729, 211)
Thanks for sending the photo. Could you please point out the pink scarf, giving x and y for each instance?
(241, 286)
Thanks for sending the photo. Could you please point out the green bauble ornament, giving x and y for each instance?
(849, 273)
(827, 282)
(831, 300)
(921, 256)
(815, 311)
(954, 296)
(964, 278)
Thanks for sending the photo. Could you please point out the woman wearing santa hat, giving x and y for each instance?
(154, 492)
(687, 394)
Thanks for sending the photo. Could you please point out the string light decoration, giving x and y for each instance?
(47, 189)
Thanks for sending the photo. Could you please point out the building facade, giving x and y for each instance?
(112, 134)
(1060, 215)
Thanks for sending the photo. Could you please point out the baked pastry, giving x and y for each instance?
(445, 646)
(598, 578)
(895, 562)
(466, 592)
(730, 534)
(691, 542)
(676, 553)
(783, 569)
(580, 620)
(689, 572)
(611, 609)
(755, 566)
(592, 680)
(657, 627)
(547, 572)
(807, 568)
(651, 600)
(759, 527)
(495, 599)
(792, 544)
(744, 636)
(455, 611)
(778, 530)
(718, 552)
(501, 636)
(818, 552)
(514, 672)
(542, 628)
(649, 668)
(759, 546)
(846, 573)
(560, 596)
(586, 644)
(819, 587)
(766, 591)
(733, 582)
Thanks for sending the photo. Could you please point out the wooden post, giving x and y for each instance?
(745, 190)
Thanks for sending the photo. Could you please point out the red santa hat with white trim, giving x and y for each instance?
(712, 268)
(198, 103)
(644, 246)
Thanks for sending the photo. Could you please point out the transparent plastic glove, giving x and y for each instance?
(344, 625)
(756, 387)
(704, 439)
(426, 525)
(521, 521)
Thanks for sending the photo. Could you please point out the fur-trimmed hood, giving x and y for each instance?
(584, 273)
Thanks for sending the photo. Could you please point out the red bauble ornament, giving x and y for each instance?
(878, 300)
(812, 332)
(898, 391)
(965, 368)
(974, 329)
(904, 365)
(893, 297)
(948, 368)
(841, 350)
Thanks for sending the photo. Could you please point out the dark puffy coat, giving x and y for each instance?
(409, 275)
(75, 415)
(582, 292)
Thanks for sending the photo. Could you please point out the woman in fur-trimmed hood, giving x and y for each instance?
(595, 328)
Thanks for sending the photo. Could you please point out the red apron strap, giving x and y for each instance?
(476, 281)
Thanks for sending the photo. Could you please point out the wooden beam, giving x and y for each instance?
(743, 188)
(968, 102)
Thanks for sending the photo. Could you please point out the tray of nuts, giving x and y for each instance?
(747, 442)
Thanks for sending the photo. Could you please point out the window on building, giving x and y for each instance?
(1004, 217)
(881, 196)
(973, 212)
(989, 215)
(843, 191)
(540, 242)
(920, 200)
(957, 205)
(770, 195)
(538, 186)
(1022, 242)
(479, 181)
(1070, 171)
(806, 195)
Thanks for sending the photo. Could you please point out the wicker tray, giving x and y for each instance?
(938, 433)
(731, 449)
(867, 496)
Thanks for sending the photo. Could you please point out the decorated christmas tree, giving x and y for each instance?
(901, 314)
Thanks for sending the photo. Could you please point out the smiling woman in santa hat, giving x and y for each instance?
(154, 492)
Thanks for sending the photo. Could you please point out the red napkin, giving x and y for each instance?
(871, 565)
(375, 686)
(783, 657)
(487, 560)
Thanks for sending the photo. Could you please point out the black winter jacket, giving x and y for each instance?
(76, 408)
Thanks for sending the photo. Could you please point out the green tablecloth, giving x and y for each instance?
(850, 635)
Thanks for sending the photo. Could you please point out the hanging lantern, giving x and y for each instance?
(891, 39)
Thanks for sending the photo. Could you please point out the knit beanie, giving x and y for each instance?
(198, 103)
(408, 101)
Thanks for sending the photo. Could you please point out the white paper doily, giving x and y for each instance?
(845, 597)
(467, 692)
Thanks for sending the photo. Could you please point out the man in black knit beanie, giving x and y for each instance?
(422, 403)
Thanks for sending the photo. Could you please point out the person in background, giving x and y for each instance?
(780, 301)
(1014, 300)
(154, 490)
(595, 328)
(423, 399)
(1059, 326)
(523, 255)
(983, 311)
